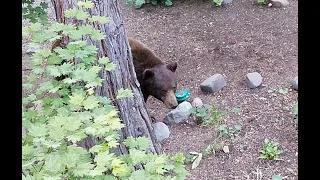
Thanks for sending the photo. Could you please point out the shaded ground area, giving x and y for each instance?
(233, 40)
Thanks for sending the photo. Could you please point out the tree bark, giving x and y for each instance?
(132, 111)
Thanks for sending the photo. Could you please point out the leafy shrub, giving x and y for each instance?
(60, 114)
(34, 13)
(270, 150)
(139, 3)
(208, 115)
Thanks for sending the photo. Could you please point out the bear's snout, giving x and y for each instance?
(170, 100)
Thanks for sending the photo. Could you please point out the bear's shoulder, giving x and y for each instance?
(143, 57)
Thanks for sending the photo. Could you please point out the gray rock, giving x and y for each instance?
(180, 114)
(197, 102)
(213, 83)
(226, 1)
(254, 79)
(294, 83)
(279, 3)
(161, 131)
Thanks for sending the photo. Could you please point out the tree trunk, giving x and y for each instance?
(132, 111)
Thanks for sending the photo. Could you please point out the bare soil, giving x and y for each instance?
(232, 40)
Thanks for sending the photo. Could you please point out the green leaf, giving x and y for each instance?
(168, 3)
(283, 91)
(70, 159)
(35, 27)
(98, 170)
(79, 74)
(138, 175)
(57, 134)
(110, 66)
(154, 2)
(37, 70)
(53, 163)
(78, 136)
(95, 149)
(65, 54)
(104, 60)
(78, 14)
(90, 103)
(37, 130)
(53, 59)
(50, 177)
(66, 68)
(85, 29)
(122, 93)
(104, 158)
(276, 177)
(137, 156)
(27, 150)
(76, 99)
(238, 127)
(87, 4)
(28, 177)
(100, 19)
(97, 35)
(236, 110)
(72, 124)
(139, 3)
(82, 169)
(51, 144)
(75, 35)
(53, 71)
(69, 80)
(129, 1)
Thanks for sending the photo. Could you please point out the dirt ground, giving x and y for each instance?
(232, 40)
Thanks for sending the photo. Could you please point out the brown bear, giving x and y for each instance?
(155, 77)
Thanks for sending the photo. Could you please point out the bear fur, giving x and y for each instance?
(155, 77)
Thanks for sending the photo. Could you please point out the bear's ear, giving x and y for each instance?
(172, 66)
(147, 73)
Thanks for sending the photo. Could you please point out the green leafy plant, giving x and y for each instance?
(263, 2)
(283, 91)
(218, 3)
(276, 177)
(294, 111)
(34, 13)
(224, 130)
(62, 113)
(270, 150)
(194, 158)
(139, 3)
(208, 115)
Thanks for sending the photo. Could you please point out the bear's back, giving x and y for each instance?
(143, 57)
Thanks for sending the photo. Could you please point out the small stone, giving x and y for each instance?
(213, 83)
(279, 3)
(197, 102)
(225, 149)
(226, 1)
(180, 114)
(294, 83)
(161, 131)
(254, 79)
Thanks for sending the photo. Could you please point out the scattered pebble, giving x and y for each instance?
(213, 83)
(197, 102)
(161, 131)
(254, 79)
(180, 114)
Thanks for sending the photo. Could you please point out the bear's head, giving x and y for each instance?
(161, 83)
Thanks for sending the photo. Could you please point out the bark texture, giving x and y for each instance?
(133, 111)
